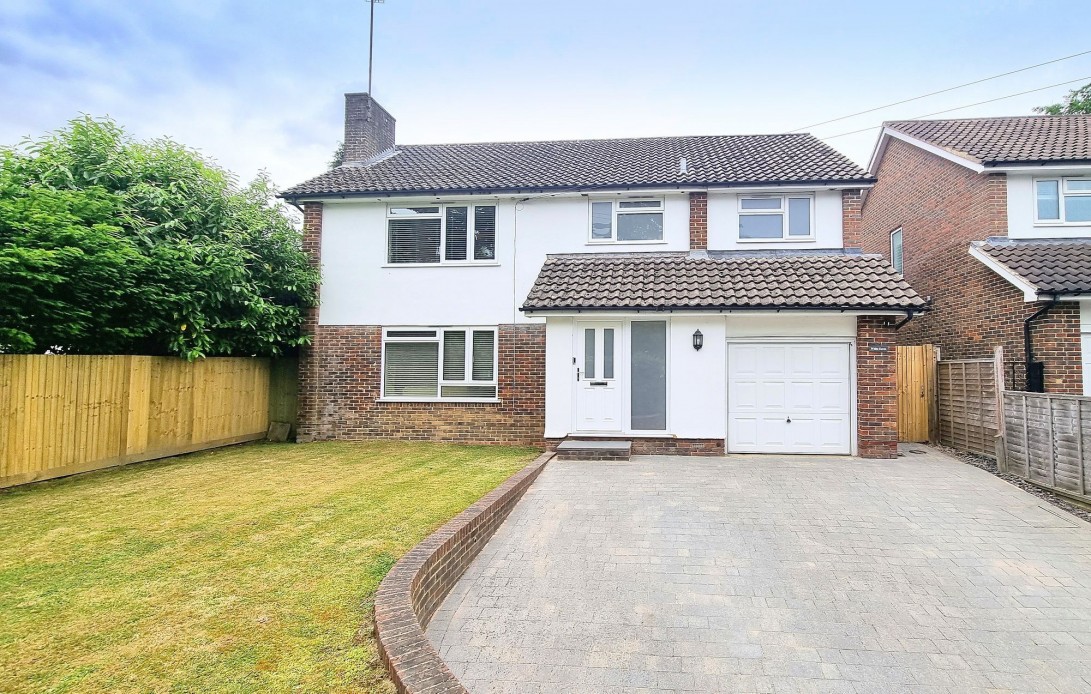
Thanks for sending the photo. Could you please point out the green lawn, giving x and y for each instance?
(250, 568)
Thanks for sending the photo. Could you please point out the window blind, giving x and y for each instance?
(483, 348)
(457, 224)
(410, 370)
(413, 240)
(484, 232)
(454, 355)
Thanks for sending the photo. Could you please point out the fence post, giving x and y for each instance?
(1026, 437)
(1052, 444)
(1080, 466)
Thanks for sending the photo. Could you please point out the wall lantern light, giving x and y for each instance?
(698, 340)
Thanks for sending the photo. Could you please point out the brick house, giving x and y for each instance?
(991, 219)
(687, 294)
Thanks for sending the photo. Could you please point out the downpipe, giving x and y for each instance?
(1028, 343)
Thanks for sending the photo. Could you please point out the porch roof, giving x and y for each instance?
(1050, 267)
(718, 280)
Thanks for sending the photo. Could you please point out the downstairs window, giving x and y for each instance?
(439, 363)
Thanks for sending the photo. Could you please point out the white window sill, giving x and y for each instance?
(419, 265)
(626, 243)
(792, 239)
(1062, 224)
(435, 400)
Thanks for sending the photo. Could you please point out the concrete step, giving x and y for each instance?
(584, 449)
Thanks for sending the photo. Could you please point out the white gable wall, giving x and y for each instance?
(1021, 203)
(723, 223)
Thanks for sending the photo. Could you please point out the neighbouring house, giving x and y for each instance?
(690, 294)
(991, 219)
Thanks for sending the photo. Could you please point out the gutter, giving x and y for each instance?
(1028, 346)
(866, 182)
(910, 311)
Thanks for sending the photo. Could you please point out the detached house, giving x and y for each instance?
(690, 294)
(991, 218)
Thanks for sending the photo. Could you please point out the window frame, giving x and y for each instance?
(615, 210)
(471, 221)
(438, 338)
(783, 211)
(901, 241)
(1062, 185)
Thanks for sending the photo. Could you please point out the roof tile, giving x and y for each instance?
(1052, 266)
(720, 280)
(582, 164)
(1011, 140)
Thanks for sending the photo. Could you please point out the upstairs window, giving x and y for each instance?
(1062, 200)
(896, 249)
(441, 234)
(439, 363)
(775, 218)
(627, 220)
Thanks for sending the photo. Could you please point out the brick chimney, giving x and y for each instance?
(369, 129)
(698, 221)
(852, 214)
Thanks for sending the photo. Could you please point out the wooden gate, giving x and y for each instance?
(916, 392)
(967, 405)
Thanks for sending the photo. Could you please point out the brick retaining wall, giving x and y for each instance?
(416, 586)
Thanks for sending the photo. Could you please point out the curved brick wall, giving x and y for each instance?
(409, 595)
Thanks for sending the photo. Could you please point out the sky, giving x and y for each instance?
(259, 85)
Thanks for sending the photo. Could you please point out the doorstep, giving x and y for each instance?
(579, 449)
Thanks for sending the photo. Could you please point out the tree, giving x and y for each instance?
(109, 245)
(338, 156)
(1077, 101)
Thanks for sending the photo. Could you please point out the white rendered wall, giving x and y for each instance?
(360, 288)
(723, 223)
(697, 381)
(1021, 204)
(743, 325)
(560, 377)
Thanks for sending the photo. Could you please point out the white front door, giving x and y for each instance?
(598, 395)
(789, 398)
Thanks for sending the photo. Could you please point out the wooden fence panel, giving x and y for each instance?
(916, 392)
(967, 404)
(65, 414)
(1047, 441)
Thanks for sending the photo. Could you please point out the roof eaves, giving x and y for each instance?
(858, 182)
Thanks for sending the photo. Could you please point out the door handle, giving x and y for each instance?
(598, 383)
(577, 373)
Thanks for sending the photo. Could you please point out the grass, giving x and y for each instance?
(245, 569)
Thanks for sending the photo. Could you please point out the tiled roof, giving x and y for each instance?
(1013, 140)
(1052, 266)
(578, 164)
(720, 280)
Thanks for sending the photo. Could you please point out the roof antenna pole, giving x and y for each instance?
(371, 41)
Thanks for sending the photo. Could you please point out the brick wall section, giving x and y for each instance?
(308, 362)
(416, 586)
(941, 207)
(876, 387)
(698, 221)
(347, 373)
(851, 204)
(666, 445)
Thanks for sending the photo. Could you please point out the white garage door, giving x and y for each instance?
(788, 398)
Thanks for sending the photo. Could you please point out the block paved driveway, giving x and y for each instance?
(775, 574)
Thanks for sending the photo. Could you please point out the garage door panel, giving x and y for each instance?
(789, 398)
(746, 431)
(746, 396)
(772, 395)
